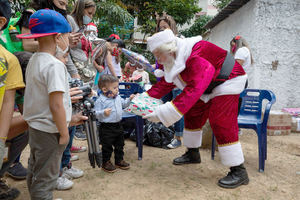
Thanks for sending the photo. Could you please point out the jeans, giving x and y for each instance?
(16, 146)
(65, 160)
(178, 126)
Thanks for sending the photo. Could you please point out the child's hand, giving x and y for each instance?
(64, 139)
(131, 97)
(107, 112)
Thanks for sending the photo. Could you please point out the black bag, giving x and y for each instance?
(157, 135)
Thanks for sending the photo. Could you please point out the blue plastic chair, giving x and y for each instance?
(250, 117)
(125, 90)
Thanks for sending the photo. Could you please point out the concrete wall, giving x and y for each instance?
(272, 28)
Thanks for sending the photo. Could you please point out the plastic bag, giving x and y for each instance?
(157, 135)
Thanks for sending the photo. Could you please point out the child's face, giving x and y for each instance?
(113, 87)
(63, 43)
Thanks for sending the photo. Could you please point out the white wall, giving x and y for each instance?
(272, 28)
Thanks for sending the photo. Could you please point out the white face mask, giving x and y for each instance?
(59, 52)
(86, 20)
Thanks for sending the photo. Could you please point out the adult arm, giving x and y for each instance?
(201, 73)
(72, 70)
(7, 112)
(30, 45)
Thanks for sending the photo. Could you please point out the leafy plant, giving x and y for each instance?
(220, 4)
(198, 27)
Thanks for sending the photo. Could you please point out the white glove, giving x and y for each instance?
(152, 117)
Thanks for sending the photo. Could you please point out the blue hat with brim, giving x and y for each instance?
(46, 22)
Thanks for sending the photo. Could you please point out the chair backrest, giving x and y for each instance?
(252, 99)
(126, 89)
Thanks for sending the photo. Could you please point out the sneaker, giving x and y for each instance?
(79, 135)
(72, 173)
(17, 171)
(174, 144)
(7, 192)
(63, 183)
(74, 157)
(109, 167)
(75, 149)
(122, 165)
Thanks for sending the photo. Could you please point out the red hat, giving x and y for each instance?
(115, 36)
(91, 27)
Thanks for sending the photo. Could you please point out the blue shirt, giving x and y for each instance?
(116, 104)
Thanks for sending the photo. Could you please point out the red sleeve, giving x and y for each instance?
(200, 73)
(160, 89)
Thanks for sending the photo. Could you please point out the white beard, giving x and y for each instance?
(168, 65)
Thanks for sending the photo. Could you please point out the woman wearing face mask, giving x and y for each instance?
(81, 15)
(240, 49)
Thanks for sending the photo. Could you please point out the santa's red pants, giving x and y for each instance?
(222, 112)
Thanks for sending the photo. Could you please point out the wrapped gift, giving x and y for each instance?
(142, 105)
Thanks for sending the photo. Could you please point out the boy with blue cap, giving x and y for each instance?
(47, 103)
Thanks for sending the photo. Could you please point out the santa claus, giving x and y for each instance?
(211, 82)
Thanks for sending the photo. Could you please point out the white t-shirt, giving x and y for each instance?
(45, 74)
(117, 67)
(244, 54)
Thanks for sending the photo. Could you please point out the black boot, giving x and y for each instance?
(236, 177)
(191, 156)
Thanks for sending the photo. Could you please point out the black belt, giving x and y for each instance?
(224, 73)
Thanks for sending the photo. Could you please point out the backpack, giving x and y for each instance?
(5, 39)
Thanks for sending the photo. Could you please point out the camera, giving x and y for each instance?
(85, 88)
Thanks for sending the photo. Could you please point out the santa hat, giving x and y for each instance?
(91, 27)
(160, 38)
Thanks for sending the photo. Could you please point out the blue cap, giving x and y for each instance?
(46, 22)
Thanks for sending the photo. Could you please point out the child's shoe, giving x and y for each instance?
(109, 167)
(122, 165)
(72, 173)
(63, 183)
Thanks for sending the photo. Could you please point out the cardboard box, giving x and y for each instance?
(295, 124)
(279, 123)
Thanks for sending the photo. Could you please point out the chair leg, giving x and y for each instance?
(266, 143)
(261, 153)
(139, 136)
(213, 146)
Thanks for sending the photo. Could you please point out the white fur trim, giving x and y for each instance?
(184, 51)
(168, 114)
(232, 86)
(231, 155)
(159, 73)
(192, 139)
(160, 38)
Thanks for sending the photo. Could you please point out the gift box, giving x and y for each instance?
(295, 124)
(142, 105)
(279, 123)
